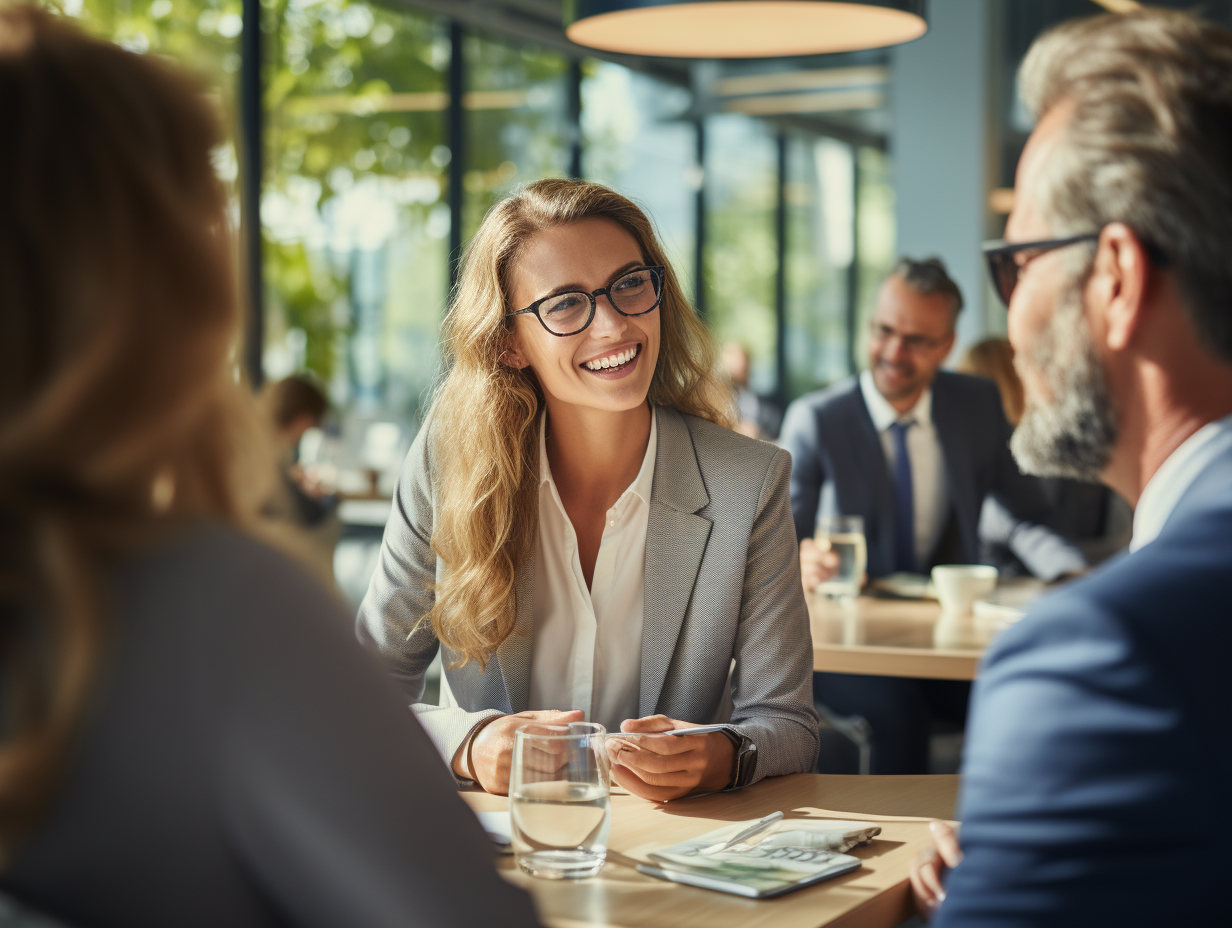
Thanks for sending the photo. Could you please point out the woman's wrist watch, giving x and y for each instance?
(744, 762)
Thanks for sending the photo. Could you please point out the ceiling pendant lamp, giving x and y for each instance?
(741, 28)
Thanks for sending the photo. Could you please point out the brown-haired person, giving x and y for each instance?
(576, 529)
(192, 736)
(292, 406)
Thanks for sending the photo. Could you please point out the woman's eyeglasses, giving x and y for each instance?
(1004, 263)
(634, 293)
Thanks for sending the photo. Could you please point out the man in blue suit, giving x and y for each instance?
(915, 451)
(1099, 753)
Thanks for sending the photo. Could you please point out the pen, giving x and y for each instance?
(756, 828)
(699, 730)
(637, 735)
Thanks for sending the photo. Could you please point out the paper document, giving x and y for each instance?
(792, 854)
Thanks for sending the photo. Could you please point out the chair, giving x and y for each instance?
(855, 730)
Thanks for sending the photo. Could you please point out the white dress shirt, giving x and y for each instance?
(587, 647)
(1165, 489)
(931, 500)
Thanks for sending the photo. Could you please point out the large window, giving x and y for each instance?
(875, 250)
(371, 169)
(819, 195)
(635, 140)
(741, 252)
(359, 163)
(517, 121)
(355, 227)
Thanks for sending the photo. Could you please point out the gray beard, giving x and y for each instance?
(1074, 436)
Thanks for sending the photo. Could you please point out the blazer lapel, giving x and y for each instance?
(513, 655)
(675, 544)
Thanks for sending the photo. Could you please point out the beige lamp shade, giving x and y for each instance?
(741, 28)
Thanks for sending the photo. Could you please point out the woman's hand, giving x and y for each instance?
(663, 767)
(929, 869)
(492, 750)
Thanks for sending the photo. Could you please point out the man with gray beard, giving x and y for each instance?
(1099, 750)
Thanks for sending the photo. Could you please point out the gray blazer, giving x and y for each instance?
(723, 599)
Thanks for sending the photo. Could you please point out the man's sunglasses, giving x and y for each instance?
(1004, 265)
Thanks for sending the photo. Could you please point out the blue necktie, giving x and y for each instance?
(904, 501)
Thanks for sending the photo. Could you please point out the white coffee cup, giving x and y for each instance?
(960, 585)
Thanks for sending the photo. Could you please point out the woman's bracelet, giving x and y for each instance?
(470, 746)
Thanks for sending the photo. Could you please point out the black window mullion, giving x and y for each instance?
(251, 161)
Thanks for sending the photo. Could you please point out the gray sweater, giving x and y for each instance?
(246, 763)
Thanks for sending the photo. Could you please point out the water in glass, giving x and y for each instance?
(558, 800)
(844, 535)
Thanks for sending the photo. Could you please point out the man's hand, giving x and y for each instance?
(492, 751)
(817, 563)
(929, 869)
(662, 767)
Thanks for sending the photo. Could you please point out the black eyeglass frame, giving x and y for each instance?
(1000, 254)
(657, 277)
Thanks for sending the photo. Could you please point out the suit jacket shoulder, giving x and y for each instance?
(1100, 722)
(731, 464)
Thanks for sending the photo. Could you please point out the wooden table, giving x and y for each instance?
(875, 896)
(896, 638)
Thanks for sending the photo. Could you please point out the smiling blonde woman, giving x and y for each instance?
(576, 528)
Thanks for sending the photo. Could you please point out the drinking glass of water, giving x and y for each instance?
(844, 535)
(559, 806)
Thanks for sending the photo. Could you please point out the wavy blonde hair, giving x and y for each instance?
(485, 451)
(121, 416)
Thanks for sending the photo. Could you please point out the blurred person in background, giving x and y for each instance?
(573, 485)
(757, 416)
(993, 358)
(1099, 752)
(191, 736)
(915, 451)
(294, 405)
(1087, 513)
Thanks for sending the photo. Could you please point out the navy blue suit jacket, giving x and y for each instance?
(1098, 771)
(833, 441)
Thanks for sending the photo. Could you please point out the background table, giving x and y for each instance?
(896, 638)
(875, 896)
